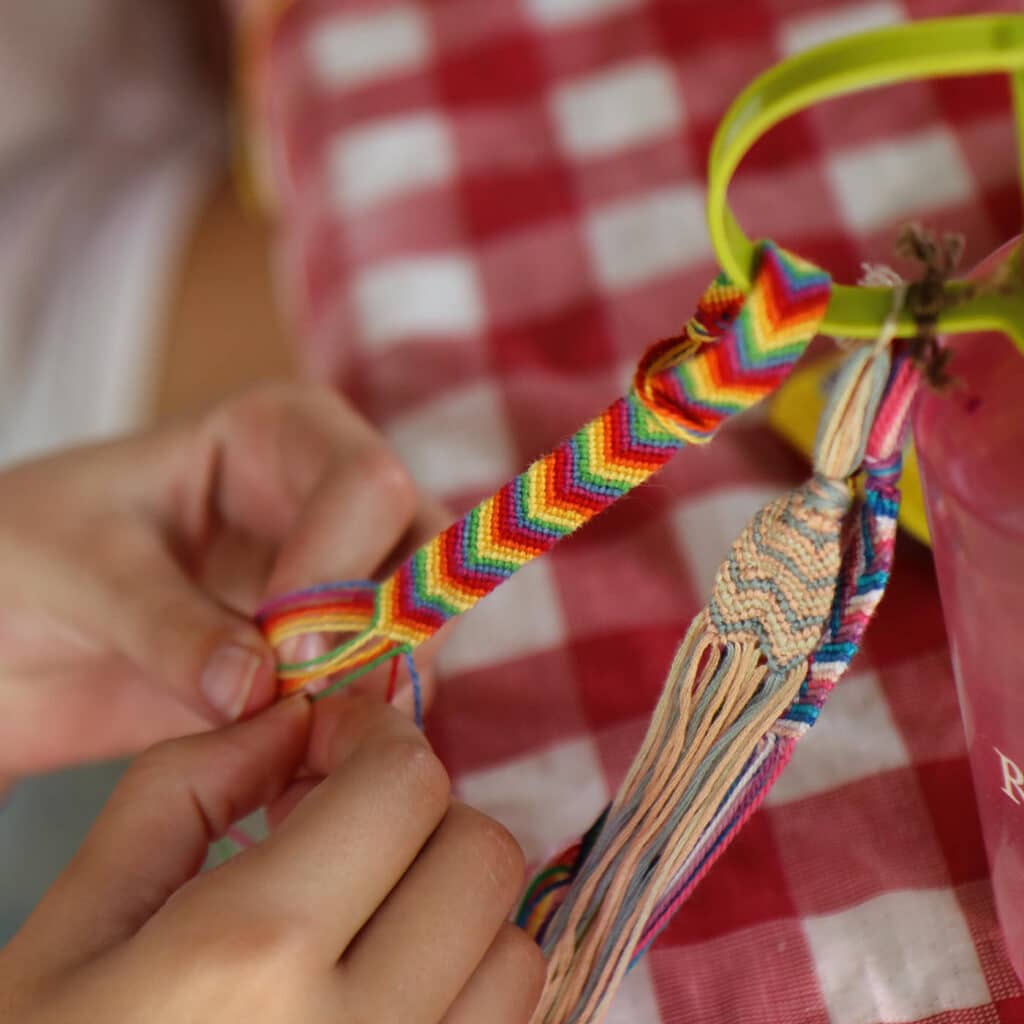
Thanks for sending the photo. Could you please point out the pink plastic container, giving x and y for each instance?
(970, 444)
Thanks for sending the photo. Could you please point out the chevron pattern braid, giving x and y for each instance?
(776, 588)
(733, 353)
(694, 396)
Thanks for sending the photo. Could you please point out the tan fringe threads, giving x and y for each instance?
(739, 668)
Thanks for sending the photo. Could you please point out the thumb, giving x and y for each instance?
(209, 656)
(153, 834)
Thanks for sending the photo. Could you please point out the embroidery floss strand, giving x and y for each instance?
(731, 355)
(742, 665)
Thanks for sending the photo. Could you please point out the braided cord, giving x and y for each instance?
(860, 587)
(734, 352)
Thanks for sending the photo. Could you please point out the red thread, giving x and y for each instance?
(392, 681)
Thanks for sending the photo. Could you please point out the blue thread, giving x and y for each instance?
(839, 650)
(865, 533)
(805, 713)
(318, 588)
(872, 581)
(417, 693)
(756, 783)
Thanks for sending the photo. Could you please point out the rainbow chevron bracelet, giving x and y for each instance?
(734, 352)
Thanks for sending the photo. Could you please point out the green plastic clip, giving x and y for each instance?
(943, 47)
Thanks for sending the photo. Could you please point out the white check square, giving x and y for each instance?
(546, 799)
(803, 33)
(636, 240)
(903, 956)
(388, 159)
(418, 297)
(611, 110)
(351, 50)
(561, 12)
(522, 617)
(880, 183)
(706, 527)
(458, 442)
(855, 737)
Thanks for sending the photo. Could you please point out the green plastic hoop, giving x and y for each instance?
(942, 47)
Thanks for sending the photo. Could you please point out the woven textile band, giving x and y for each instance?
(733, 353)
(861, 584)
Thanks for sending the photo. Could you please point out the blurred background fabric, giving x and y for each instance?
(484, 212)
(108, 142)
(110, 138)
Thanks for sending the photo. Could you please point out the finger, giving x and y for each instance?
(49, 720)
(430, 519)
(235, 570)
(436, 926)
(153, 834)
(290, 466)
(252, 463)
(277, 811)
(114, 582)
(349, 841)
(206, 654)
(339, 723)
(506, 987)
(351, 523)
(299, 467)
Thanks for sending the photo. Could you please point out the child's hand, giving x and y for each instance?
(376, 900)
(128, 571)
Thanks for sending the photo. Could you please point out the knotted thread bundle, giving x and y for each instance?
(786, 615)
(733, 353)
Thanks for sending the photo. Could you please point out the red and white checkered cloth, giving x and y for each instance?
(489, 208)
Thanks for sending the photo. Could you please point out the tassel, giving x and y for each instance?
(740, 668)
(734, 352)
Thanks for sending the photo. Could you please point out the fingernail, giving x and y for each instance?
(304, 648)
(311, 647)
(228, 677)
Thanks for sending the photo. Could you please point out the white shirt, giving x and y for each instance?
(107, 147)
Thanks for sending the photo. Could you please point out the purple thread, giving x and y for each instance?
(417, 693)
(320, 588)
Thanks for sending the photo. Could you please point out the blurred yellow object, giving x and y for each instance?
(794, 414)
(941, 47)
(255, 21)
